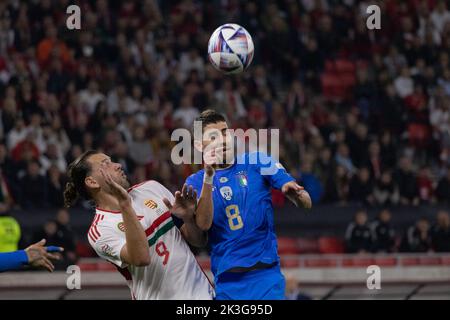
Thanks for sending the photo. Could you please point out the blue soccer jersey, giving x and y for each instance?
(243, 233)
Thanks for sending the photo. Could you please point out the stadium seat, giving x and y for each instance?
(289, 262)
(429, 261)
(357, 262)
(445, 261)
(408, 261)
(320, 262)
(331, 245)
(288, 246)
(385, 261)
(308, 245)
(84, 250)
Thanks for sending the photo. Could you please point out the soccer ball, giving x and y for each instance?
(230, 48)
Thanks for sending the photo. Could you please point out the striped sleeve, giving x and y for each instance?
(107, 241)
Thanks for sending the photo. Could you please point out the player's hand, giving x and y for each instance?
(184, 204)
(209, 174)
(297, 194)
(40, 257)
(116, 189)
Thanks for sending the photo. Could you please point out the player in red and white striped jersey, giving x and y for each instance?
(143, 230)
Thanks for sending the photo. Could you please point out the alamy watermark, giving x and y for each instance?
(214, 146)
(374, 278)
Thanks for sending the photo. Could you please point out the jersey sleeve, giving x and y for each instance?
(108, 244)
(272, 170)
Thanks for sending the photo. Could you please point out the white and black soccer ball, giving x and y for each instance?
(230, 48)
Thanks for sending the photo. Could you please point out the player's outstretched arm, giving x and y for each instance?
(297, 194)
(135, 251)
(184, 208)
(36, 256)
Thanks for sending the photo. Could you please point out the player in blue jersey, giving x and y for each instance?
(244, 258)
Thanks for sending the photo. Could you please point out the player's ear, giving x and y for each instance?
(91, 183)
(198, 145)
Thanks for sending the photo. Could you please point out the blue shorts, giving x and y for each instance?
(263, 284)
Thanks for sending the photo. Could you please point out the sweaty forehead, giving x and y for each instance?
(216, 126)
(98, 158)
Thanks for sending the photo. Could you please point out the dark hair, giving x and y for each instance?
(210, 116)
(77, 172)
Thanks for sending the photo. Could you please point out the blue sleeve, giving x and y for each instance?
(13, 260)
(272, 170)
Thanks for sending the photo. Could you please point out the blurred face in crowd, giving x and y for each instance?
(364, 175)
(405, 164)
(423, 225)
(443, 219)
(50, 228)
(385, 216)
(63, 217)
(361, 218)
(33, 169)
(374, 149)
(386, 178)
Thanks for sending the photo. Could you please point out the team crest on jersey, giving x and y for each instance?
(151, 204)
(242, 177)
(121, 226)
(223, 179)
(226, 193)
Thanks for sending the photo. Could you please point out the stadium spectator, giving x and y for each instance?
(406, 181)
(66, 236)
(358, 236)
(310, 182)
(10, 232)
(293, 291)
(440, 232)
(32, 186)
(425, 185)
(383, 234)
(385, 191)
(443, 188)
(417, 238)
(361, 188)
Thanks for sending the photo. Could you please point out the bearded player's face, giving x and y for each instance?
(101, 161)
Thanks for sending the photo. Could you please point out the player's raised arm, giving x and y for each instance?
(280, 179)
(205, 207)
(183, 207)
(136, 250)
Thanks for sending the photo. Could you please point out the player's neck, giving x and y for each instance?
(107, 202)
(222, 166)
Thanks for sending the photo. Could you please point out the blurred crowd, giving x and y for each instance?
(138, 69)
(380, 235)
